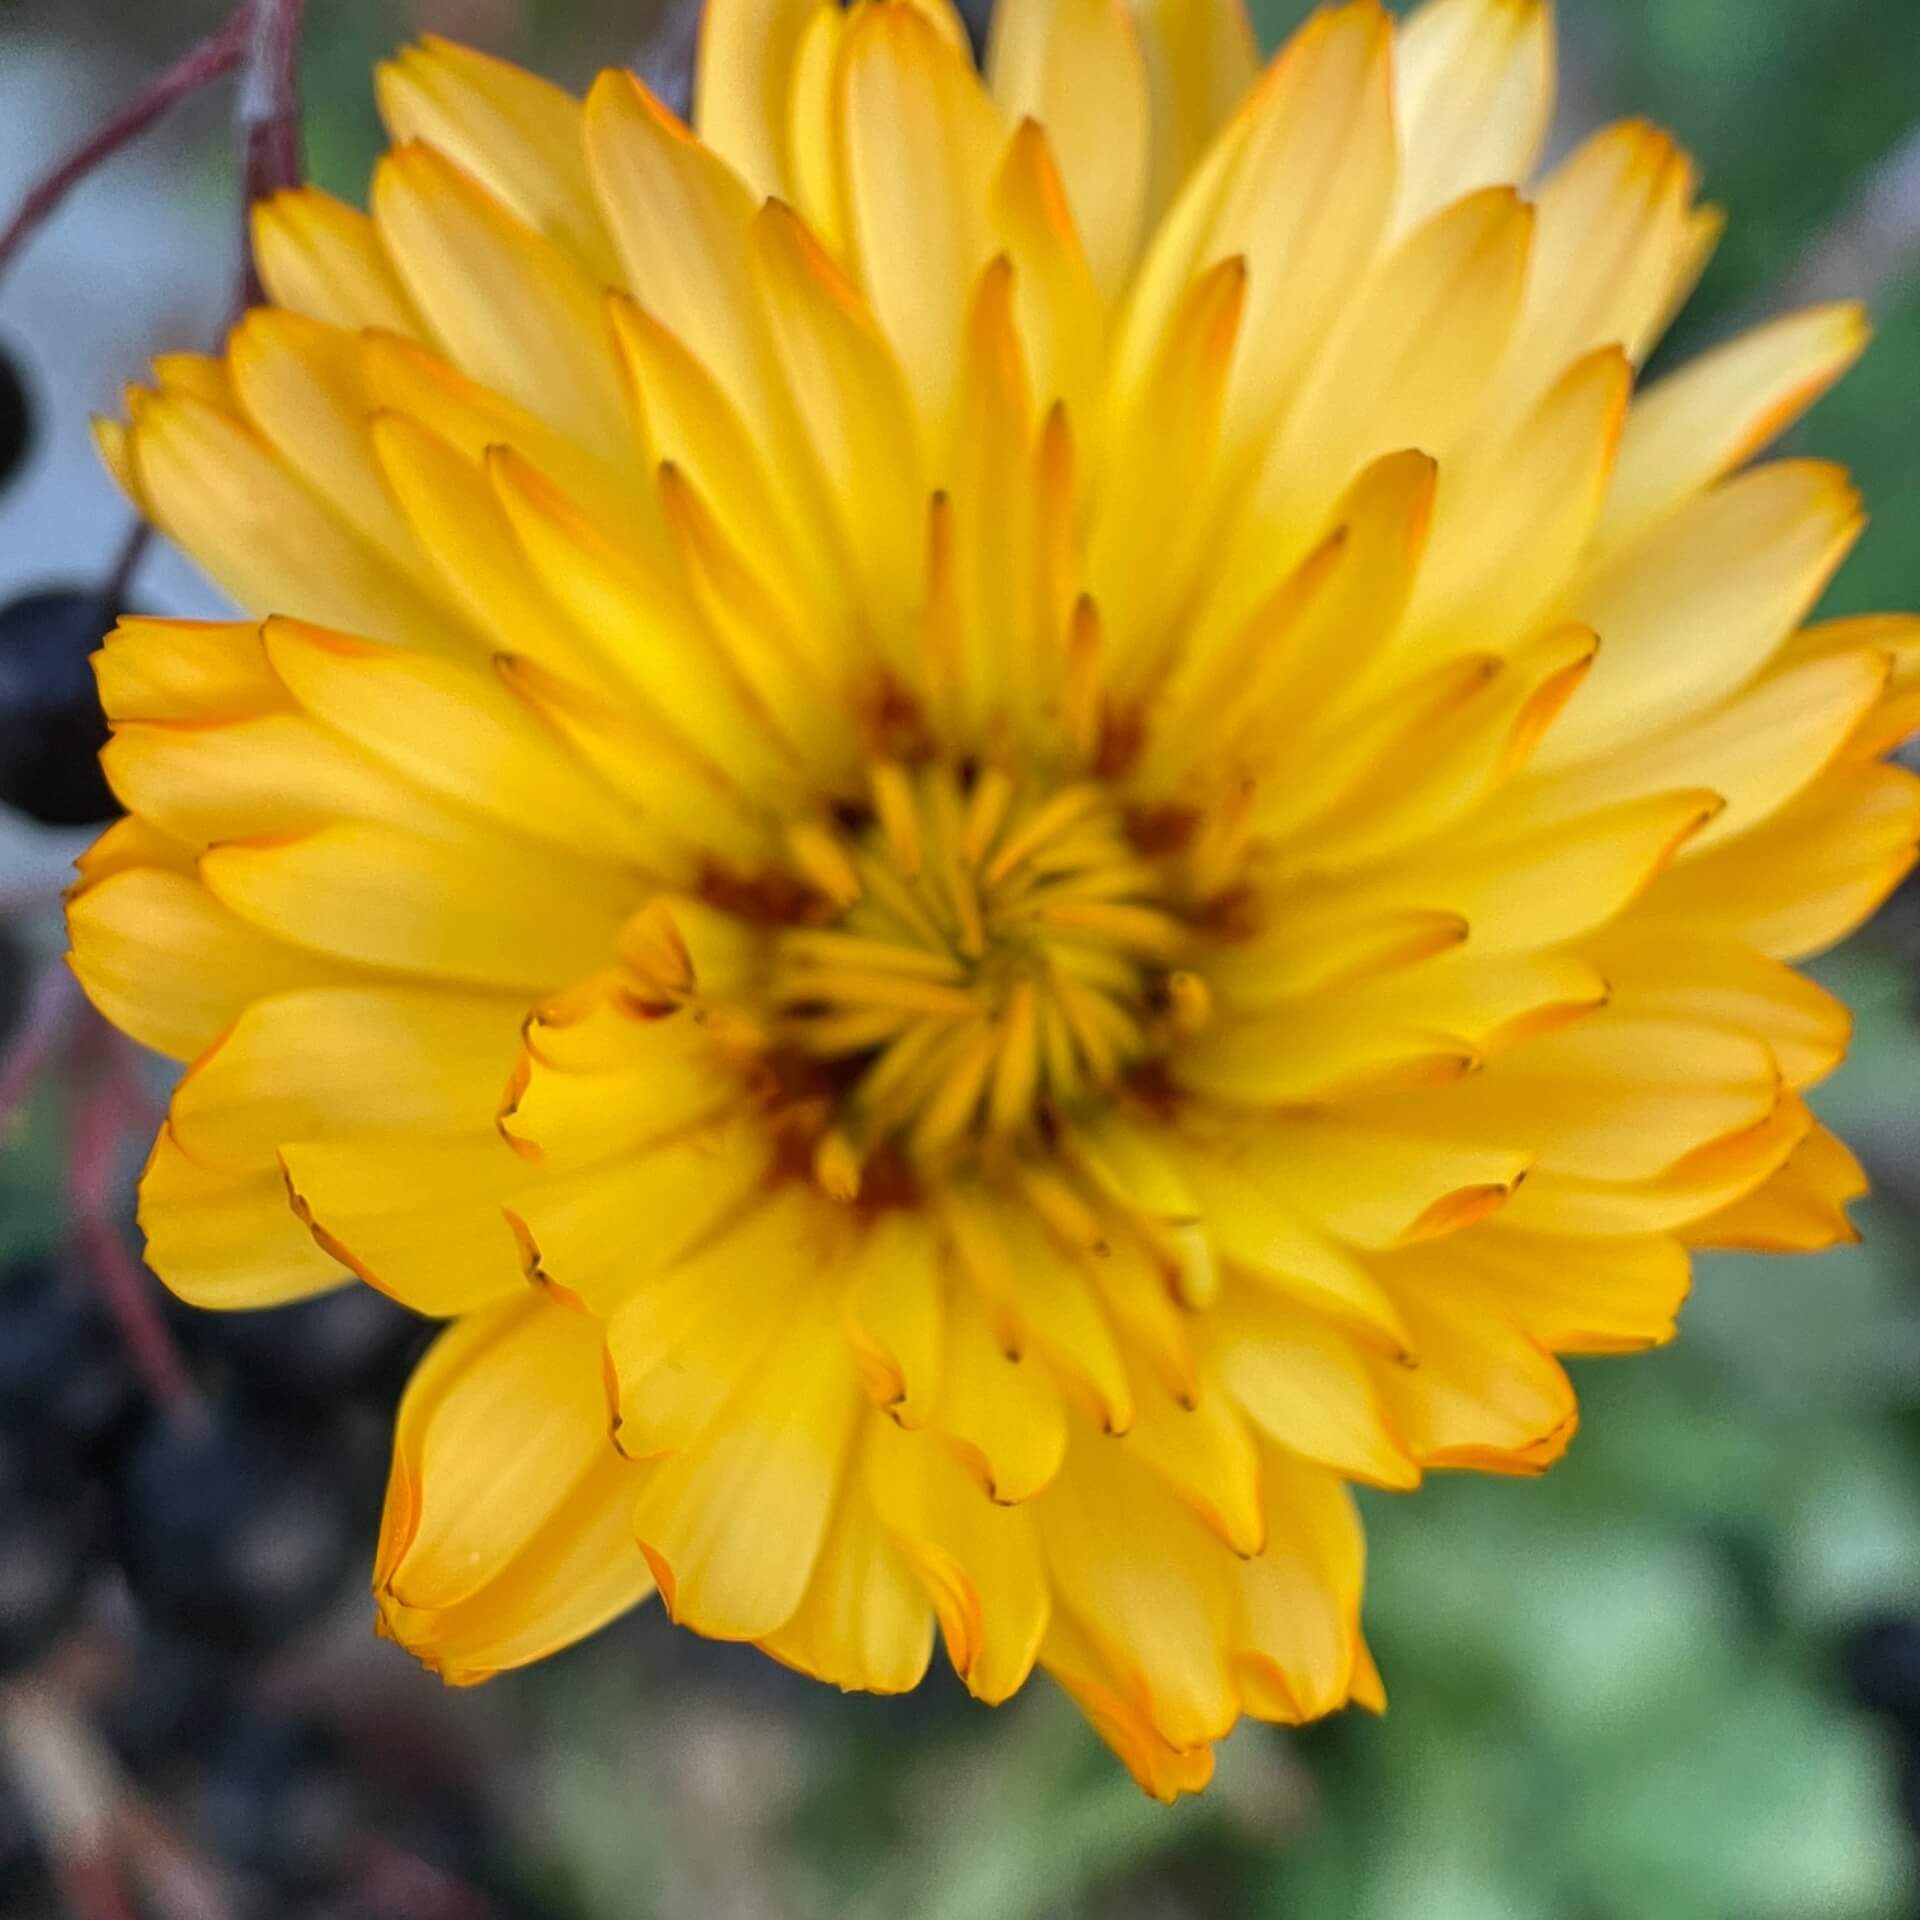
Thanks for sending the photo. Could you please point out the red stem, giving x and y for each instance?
(46, 1021)
(91, 1890)
(219, 53)
(104, 1104)
(269, 116)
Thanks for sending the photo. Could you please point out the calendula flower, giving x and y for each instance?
(1004, 824)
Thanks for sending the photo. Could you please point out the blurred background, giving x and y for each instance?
(1677, 1680)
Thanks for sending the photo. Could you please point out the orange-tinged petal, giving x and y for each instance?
(1105, 1693)
(978, 1563)
(506, 1533)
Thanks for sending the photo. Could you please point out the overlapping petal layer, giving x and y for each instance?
(1003, 823)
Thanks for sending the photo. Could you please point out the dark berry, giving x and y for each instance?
(65, 1379)
(51, 729)
(1883, 1668)
(229, 1530)
(16, 419)
(23, 1865)
(48, 1533)
(279, 1803)
(175, 1693)
(320, 1351)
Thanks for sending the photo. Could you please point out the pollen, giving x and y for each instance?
(999, 955)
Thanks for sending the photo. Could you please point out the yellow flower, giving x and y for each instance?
(980, 767)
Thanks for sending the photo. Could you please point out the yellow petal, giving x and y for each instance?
(1689, 612)
(978, 1563)
(896, 1317)
(1800, 1208)
(578, 1571)
(1617, 1096)
(1296, 1644)
(1061, 314)
(1039, 1302)
(1153, 520)
(856, 431)
(1529, 889)
(598, 1238)
(454, 729)
(696, 1318)
(1002, 1416)
(1310, 199)
(681, 219)
(303, 387)
(922, 143)
(501, 1418)
(517, 134)
(1614, 240)
(506, 1533)
(1303, 1383)
(130, 843)
(417, 383)
(1711, 1177)
(1148, 1585)
(215, 487)
(1205, 1451)
(278, 773)
(734, 1525)
(329, 1060)
(224, 1240)
(1718, 411)
(1701, 975)
(864, 1622)
(646, 631)
(1756, 750)
(1611, 1294)
(1474, 84)
(372, 893)
(741, 83)
(417, 1216)
(511, 309)
(1515, 514)
(168, 964)
(322, 258)
(1808, 876)
(1254, 1229)
(184, 670)
(1104, 1692)
(561, 1117)
(1078, 68)
(1410, 365)
(1480, 1392)
(1365, 1184)
(1201, 61)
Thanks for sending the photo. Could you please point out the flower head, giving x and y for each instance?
(1023, 819)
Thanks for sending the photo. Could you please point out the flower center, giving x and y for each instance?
(998, 953)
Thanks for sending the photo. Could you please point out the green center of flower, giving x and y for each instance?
(997, 953)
